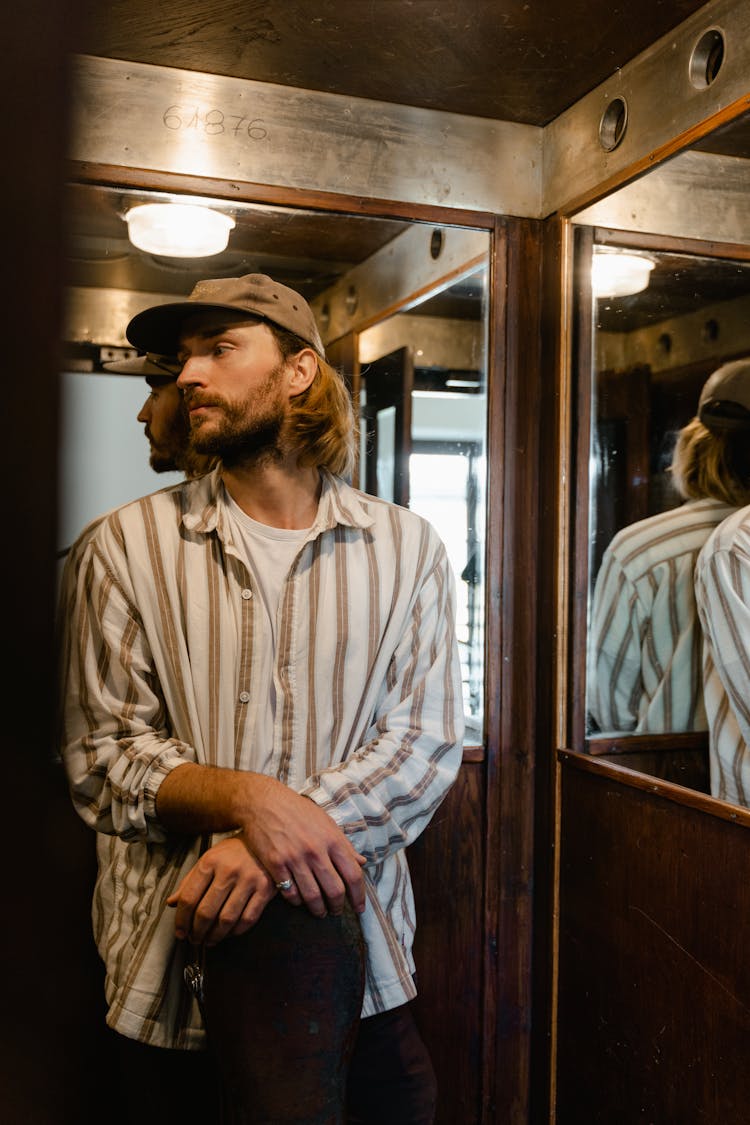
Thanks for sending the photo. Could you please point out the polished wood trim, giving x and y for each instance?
(245, 192)
(628, 744)
(615, 771)
(581, 445)
(474, 754)
(556, 518)
(610, 236)
(494, 559)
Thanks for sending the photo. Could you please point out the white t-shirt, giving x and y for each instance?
(269, 553)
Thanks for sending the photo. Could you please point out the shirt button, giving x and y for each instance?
(244, 697)
(247, 594)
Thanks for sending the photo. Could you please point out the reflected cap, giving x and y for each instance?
(725, 399)
(151, 364)
(158, 329)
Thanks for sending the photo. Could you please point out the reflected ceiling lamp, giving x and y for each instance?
(616, 274)
(178, 230)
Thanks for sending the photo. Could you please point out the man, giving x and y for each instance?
(722, 589)
(269, 712)
(645, 647)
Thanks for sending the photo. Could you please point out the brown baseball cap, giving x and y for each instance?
(158, 329)
(725, 399)
(145, 365)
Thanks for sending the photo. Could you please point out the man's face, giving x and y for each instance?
(234, 388)
(166, 425)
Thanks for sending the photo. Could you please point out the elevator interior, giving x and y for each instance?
(578, 130)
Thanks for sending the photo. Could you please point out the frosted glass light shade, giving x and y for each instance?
(178, 230)
(618, 275)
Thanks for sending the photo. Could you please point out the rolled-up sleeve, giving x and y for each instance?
(386, 791)
(115, 743)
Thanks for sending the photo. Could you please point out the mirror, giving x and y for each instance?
(402, 309)
(645, 351)
(653, 352)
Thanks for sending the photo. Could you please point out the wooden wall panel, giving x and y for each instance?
(447, 865)
(654, 1000)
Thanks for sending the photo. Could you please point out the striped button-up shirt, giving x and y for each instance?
(645, 645)
(165, 649)
(722, 586)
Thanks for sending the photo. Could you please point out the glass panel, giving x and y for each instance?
(445, 337)
(444, 489)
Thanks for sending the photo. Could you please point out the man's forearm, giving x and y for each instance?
(194, 798)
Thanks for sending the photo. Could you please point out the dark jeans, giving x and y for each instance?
(391, 1079)
(286, 1043)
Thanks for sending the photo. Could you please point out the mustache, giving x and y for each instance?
(193, 399)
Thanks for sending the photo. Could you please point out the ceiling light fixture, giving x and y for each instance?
(614, 274)
(178, 230)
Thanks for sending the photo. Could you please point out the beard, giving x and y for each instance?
(161, 462)
(168, 455)
(247, 432)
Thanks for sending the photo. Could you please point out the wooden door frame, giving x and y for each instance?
(395, 375)
(507, 756)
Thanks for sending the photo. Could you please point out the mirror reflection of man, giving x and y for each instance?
(163, 414)
(167, 430)
(645, 646)
(166, 427)
(723, 598)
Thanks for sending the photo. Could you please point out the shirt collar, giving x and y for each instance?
(339, 504)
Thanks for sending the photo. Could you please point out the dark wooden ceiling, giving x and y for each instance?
(505, 59)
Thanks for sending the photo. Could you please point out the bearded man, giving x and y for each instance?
(267, 711)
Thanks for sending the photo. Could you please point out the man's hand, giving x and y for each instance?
(297, 840)
(224, 894)
(285, 835)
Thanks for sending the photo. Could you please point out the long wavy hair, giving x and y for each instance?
(321, 424)
(714, 465)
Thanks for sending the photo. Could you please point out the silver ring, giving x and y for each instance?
(285, 885)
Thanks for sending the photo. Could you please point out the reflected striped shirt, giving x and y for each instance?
(645, 645)
(168, 655)
(723, 596)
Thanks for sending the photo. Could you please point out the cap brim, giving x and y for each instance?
(719, 421)
(158, 329)
(140, 365)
